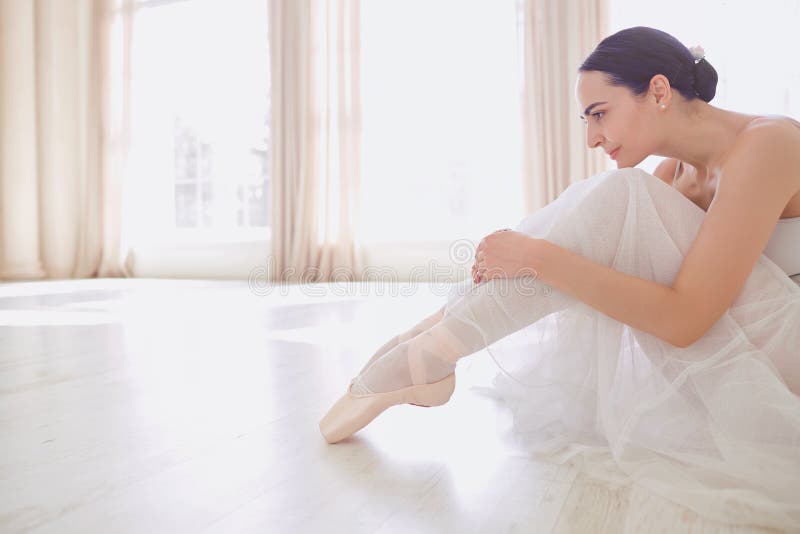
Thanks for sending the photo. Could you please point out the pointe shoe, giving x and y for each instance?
(353, 412)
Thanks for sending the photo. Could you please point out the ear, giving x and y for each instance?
(660, 91)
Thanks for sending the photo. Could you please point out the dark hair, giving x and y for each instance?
(631, 57)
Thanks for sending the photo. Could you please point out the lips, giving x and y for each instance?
(613, 153)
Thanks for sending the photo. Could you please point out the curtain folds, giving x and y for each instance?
(63, 125)
(316, 139)
(558, 36)
(60, 185)
(316, 124)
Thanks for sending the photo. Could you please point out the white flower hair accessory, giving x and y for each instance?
(697, 52)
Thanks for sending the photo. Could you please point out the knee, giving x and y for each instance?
(627, 177)
(611, 192)
(620, 186)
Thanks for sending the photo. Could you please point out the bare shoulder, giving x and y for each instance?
(770, 144)
(781, 120)
(666, 170)
(776, 123)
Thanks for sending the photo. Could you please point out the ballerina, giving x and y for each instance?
(657, 340)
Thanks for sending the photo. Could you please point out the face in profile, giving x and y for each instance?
(616, 121)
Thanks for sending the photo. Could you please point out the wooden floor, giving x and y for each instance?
(192, 406)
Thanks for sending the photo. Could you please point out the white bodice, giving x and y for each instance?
(783, 247)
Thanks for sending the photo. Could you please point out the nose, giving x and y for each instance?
(594, 137)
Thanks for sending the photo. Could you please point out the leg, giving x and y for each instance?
(590, 218)
(420, 327)
(497, 309)
(712, 426)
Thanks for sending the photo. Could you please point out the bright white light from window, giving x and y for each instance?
(200, 108)
(442, 122)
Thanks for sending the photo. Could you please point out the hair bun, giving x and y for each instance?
(632, 56)
(705, 80)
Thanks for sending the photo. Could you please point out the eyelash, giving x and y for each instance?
(597, 115)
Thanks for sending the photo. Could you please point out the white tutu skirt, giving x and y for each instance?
(714, 426)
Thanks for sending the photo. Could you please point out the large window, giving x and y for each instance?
(200, 120)
(442, 124)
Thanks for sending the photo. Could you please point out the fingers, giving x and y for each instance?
(476, 278)
(479, 267)
(479, 270)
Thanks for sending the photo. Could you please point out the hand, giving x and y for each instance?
(475, 278)
(504, 254)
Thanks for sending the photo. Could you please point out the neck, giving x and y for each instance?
(701, 135)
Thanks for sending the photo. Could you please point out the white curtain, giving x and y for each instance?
(60, 185)
(316, 123)
(316, 139)
(559, 34)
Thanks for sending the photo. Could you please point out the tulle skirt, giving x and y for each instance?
(714, 426)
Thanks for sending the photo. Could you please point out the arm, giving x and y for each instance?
(759, 179)
(640, 303)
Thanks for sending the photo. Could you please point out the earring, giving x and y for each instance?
(663, 106)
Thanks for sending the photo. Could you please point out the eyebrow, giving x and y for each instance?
(589, 109)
